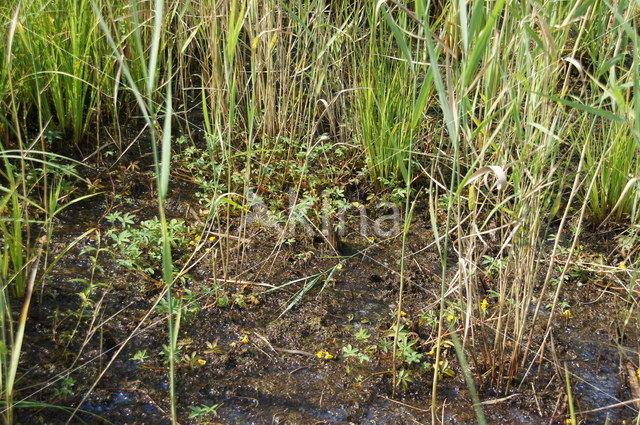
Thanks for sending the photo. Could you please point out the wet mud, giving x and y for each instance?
(262, 368)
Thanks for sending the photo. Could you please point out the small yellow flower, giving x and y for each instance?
(339, 266)
(192, 242)
(451, 318)
(622, 265)
(403, 314)
(447, 343)
(356, 204)
(212, 238)
(568, 314)
(233, 344)
(484, 305)
(371, 239)
(244, 339)
(202, 362)
(638, 372)
(324, 355)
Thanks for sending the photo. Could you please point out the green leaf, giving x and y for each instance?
(590, 109)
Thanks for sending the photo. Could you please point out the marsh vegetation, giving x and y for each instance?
(319, 211)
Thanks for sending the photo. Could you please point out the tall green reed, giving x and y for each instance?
(488, 87)
(614, 141)
(4, 106)
(394, 88)
(267, 81)
(156, 118)
(65, 65)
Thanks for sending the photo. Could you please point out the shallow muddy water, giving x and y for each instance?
(261, 368)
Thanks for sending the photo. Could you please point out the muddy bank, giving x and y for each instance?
(326, 361)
